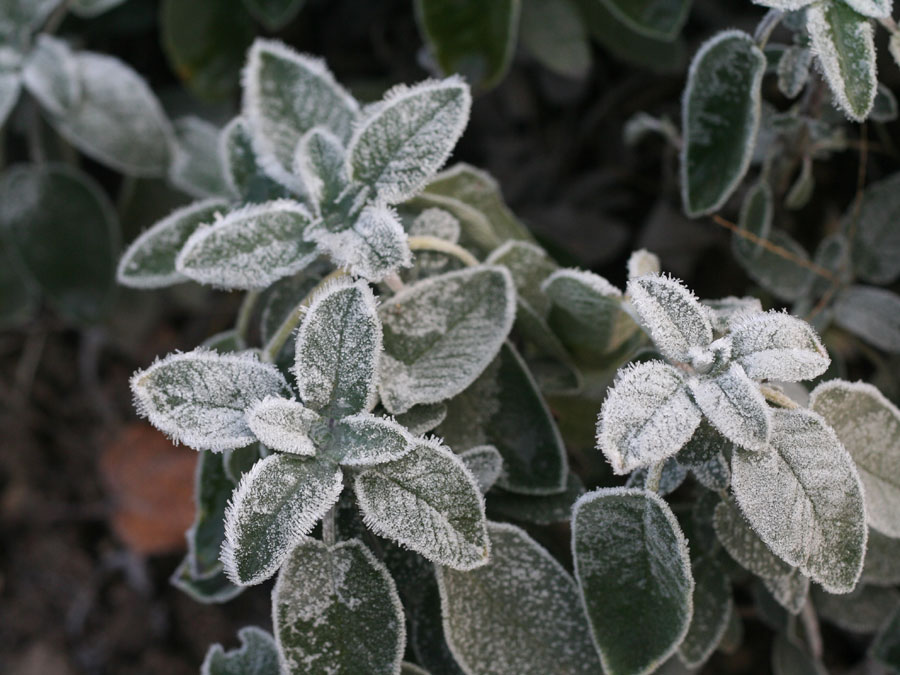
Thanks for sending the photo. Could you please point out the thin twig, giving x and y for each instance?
(427, 243)
(654, 475)
(778, 398)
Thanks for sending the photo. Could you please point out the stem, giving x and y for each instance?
(394, 282)
(245, 313)
(328, 528)
(811, 630)
(654, 474)
(427, 243)
(270, 351)
(766, 26)
(33, 135)
(779, 399)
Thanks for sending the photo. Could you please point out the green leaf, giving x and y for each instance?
(744, 545)
(864, 610)
(149, 262)
(276, 504)
(756, 220)
(18, 294)
(274, 14)
(284, 425)
(804, 499)
(212, 590)
(485, 463)
(336, 611)
(421, 419)
(876, 9)
(441, 333)
(705, 455)
(198, 398)
(408, 137)
(205, 42)
(870, 313)
(257, 655)
(713, 605)
(118, 120)
(18, 18)
(63, 231)
(732, 402)
(777, 346)
(793, 70)
(249, 248)
(321, 161)
(212, 490)
(536, 509)
(338, 348)
(631, 561)
(244, 176)
(791, 590)
(363, 440)
(844, 44)
(51, 75)
(552, 30)
(523, 582)
(196, 164)
(428, 502)
(468, 37)
(787, 278)
(657, 19)
(671, 478)
(885, 107)
(789, 659)
(886, 646)
(647, 416)
(504, 408)
(721, 113)
(876, 240)
(882, 564)
(529, 266)
(10, 86)
(285, 95)
(868, 426)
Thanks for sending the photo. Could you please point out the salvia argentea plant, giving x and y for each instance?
(384, 390)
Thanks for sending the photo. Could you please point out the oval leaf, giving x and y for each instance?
(657, 19)
(777, 346)
(257, 655)
(734, 405)
(363, 440)
(870, 313)
(876, 241)
(284, 425)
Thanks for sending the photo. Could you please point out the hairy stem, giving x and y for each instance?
(427, 243)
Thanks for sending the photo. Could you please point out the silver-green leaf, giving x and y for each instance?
(732, 402)
(283, 424)
(257, 655)
(777, 346)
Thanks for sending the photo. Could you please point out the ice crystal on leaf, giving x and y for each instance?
(258, 655)
(283, 425)
(777, 346)
(363, 440)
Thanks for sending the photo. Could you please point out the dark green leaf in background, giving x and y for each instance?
(657, 19)
(274, 14)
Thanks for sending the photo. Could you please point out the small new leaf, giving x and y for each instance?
(777, 346)
(283, 424)
(257, 655)
(363, 440)
(734, 405)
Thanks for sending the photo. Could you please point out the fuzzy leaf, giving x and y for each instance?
(536, 509)
(258, 655)
(656, 19)
(721, 113)
(196, 166)
(555, 35)
(428, 502)
(274, 14)
(786, 278)
(18, 18)
(250, 248)
(373, 247)
(244, 176)
(647, 416)
(882, 564)
(876, 241)
(441, 333)
(876, 9)
(436, 223)
(705, 454)
(285, 95)
(421, 419)
(844, 43)
(504, 408)
(870, 313)
(804, 499)
(777, 346)
(51, 75)
(675, 319)
(631, 562)
(868, 426)
(199, 398)
(485, 464)
(283, 424)
(522, 580)
(276, 504)
(409, 137)
(336, 612)
(671, 478)
(529, 266)
(213, 590)
(793, 70)
(641, 263)
(469, 37)
(320, 160)
(212, 490)
(790, 590)
(863, 611)
(734, 405)
(338, 348)
(744, 545)
(713, 605)
(363, 440)
(149, 262)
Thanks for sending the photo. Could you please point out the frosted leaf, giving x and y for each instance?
(244, 177)
(790, 590)
(632, 564)
(672, 315)
(641, 263)
(844, 43)
(877, 9)
(882, 563)
(149, 262)
(804, 499)
(647, 416)
(257, 655)
(673, 475)
(555, 34)
(421, 419)
(876, 244)
(249, 248)
(336, 611)
(409, 137)
(659, 20)
(784, 278)
(283, 424)
(777, 346)
(720, 119)
(723, 311)
(337, 350)
(705, 455)
(436, 223)
(505, 408)
(864, 610)
(529, 266)
(536, 509)
(868, 426)
(428, 502)
(713, 605)
(522, 580)
(20, 17)
(373, 247)
(785, 5)
(757, 210)
(51, 75)
(549, 360)
(744, 545)
(885, 107)
(485, 463)
(196, 165)
(586, 313)
(118, 120)
(212, 590)
(363, 440)
(320, 161)
(276, 504)
(734, 405)
(886, 647)
(793, 70)
(441, 333)
(198, 398)
(873, 314)
(239, 461)
(212, 490)
(285, 95)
